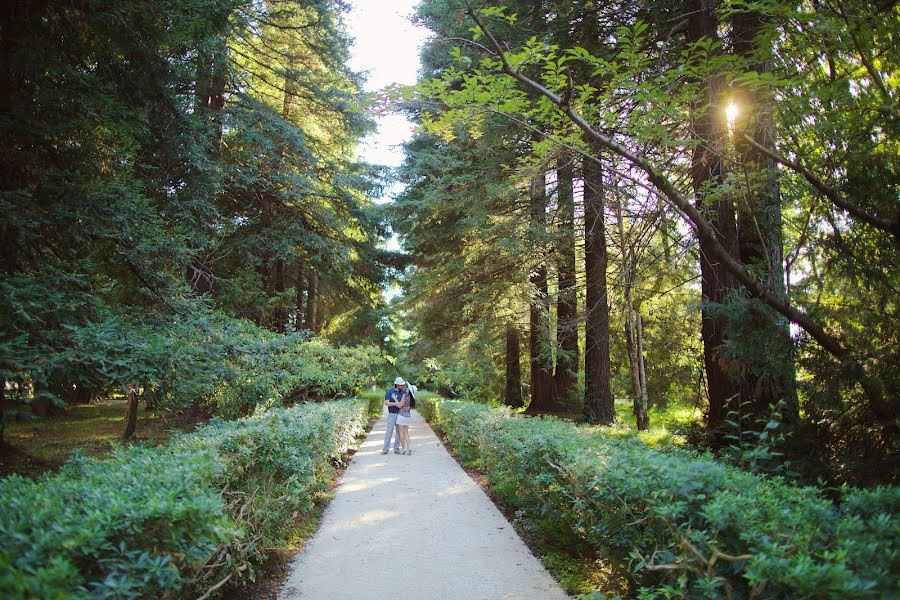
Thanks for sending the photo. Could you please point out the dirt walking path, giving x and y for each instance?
(417, 526)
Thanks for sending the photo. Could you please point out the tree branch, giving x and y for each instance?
(892, 227)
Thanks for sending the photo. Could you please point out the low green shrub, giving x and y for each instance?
(202, 357)
(175, 520)
(679, 525)
(271, 370)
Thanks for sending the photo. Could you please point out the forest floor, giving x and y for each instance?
(415, 526)
(36, 446)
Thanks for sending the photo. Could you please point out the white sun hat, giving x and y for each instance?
(399, 381)
(413, 389)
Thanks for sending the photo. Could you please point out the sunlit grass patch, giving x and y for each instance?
(94, 429)
(667, 426)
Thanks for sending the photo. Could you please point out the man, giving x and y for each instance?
(392, 399)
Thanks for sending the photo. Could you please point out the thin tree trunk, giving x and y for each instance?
(631, 327)
(278, 289)
(633, 368)
(567, 354)
(2, 415)
(312, 300)
(599, 405)
(131, 411)
(513, 367)
(643, 420)
(300, 290)
(539, 321)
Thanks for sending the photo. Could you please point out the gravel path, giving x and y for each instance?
(414, 527)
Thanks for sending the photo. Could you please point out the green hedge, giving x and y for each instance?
(684, 526)
(172, 521)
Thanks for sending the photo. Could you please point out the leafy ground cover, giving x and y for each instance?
(649, 524)
(191, 516)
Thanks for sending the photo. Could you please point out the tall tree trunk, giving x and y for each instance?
(708, 121)
(300, 287)
(567, 354)
(643, 420)
(513, 367)
(312, 300)
(131, 411)
(599, 406)
(760, 234)
(539, 321)
(278, 289)
(212, 68)
(632, 328)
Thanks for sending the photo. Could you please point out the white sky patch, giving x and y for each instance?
(387, 49)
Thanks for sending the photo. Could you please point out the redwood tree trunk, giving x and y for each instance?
(708, 120)
(513, 367)
(567, 354)
(539, 321)
(598, 398)
(760, 233)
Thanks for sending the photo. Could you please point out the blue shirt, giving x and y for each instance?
(395, 395)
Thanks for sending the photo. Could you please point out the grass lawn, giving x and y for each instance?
(41, 445)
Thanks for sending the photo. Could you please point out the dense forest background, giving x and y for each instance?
(647, 265)
(679, 203)
(181, 206)
(689, 204)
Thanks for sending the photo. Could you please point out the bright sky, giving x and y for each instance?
(387, 48)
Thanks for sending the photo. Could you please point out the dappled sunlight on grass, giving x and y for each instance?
(92, 428)
(667, 426)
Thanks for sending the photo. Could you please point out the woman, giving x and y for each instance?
(403, 418)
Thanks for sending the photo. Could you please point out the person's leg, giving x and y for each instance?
(391, 425)
(403, 429)
(397, 437)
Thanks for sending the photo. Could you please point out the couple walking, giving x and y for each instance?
(399, 400)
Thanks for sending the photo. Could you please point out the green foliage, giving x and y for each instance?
(814, 83)
(687, 526)
(270, 372)
(157, 190)
(175, 520)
